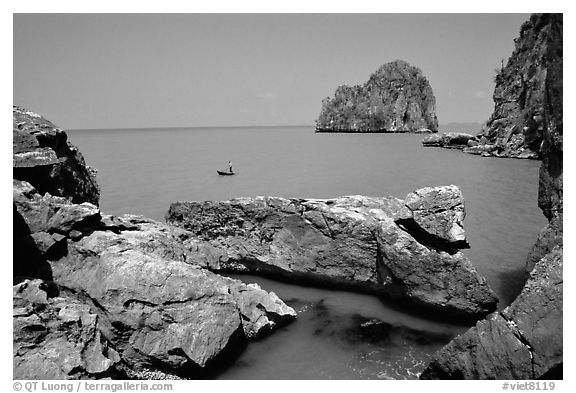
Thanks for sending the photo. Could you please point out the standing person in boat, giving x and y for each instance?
(230, 166)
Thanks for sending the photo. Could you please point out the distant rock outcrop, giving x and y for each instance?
(404, 249)
(99, 296)
(396, 98)
(451, 140)
(525, 340)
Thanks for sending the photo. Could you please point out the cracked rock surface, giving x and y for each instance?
(129, 273)
(404, 249)
(57, 337)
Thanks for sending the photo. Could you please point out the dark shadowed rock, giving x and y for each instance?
(550, 237)
(380, 245)
(43, 156)
(396, 98)
(489, 350)
(524, 341)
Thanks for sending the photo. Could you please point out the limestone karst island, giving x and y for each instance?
(396, 98)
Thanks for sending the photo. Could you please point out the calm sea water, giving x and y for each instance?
(338, 335)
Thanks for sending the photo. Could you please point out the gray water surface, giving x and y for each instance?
(338, 335)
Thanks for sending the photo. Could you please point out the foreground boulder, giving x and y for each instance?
(396, 98)
(525, 341)
(150, 310)
(43, 156)
(406, 250)
(98, 296)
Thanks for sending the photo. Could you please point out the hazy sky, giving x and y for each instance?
(178, 70)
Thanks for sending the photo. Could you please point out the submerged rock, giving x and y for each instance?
(382, 245)
(396, 98)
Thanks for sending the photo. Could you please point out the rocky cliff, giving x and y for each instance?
(525, 341)
(396, 98)
(407, 250)
(527, 96)
(100, 296)
(43, 156)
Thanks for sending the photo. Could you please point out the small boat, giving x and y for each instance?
(224, 173)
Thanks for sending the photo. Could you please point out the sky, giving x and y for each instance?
(85, 71)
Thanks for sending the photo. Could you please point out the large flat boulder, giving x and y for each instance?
(406, 249)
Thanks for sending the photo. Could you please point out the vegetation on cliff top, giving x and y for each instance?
(528, 92)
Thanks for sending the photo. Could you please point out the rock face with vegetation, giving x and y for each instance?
(528, 93)
(527, 96)
(396, 98)
(100, 296)
(525, 340)
(403, 249)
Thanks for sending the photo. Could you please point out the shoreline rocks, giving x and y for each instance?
(479, 145)
(43, 157)
(406, 250)
(528, 88)
(525, 341)
(527, 96)
(98, 296)
(155, 311)
(397, 98)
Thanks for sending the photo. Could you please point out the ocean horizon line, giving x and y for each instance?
(446, 125)
(186, 127)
